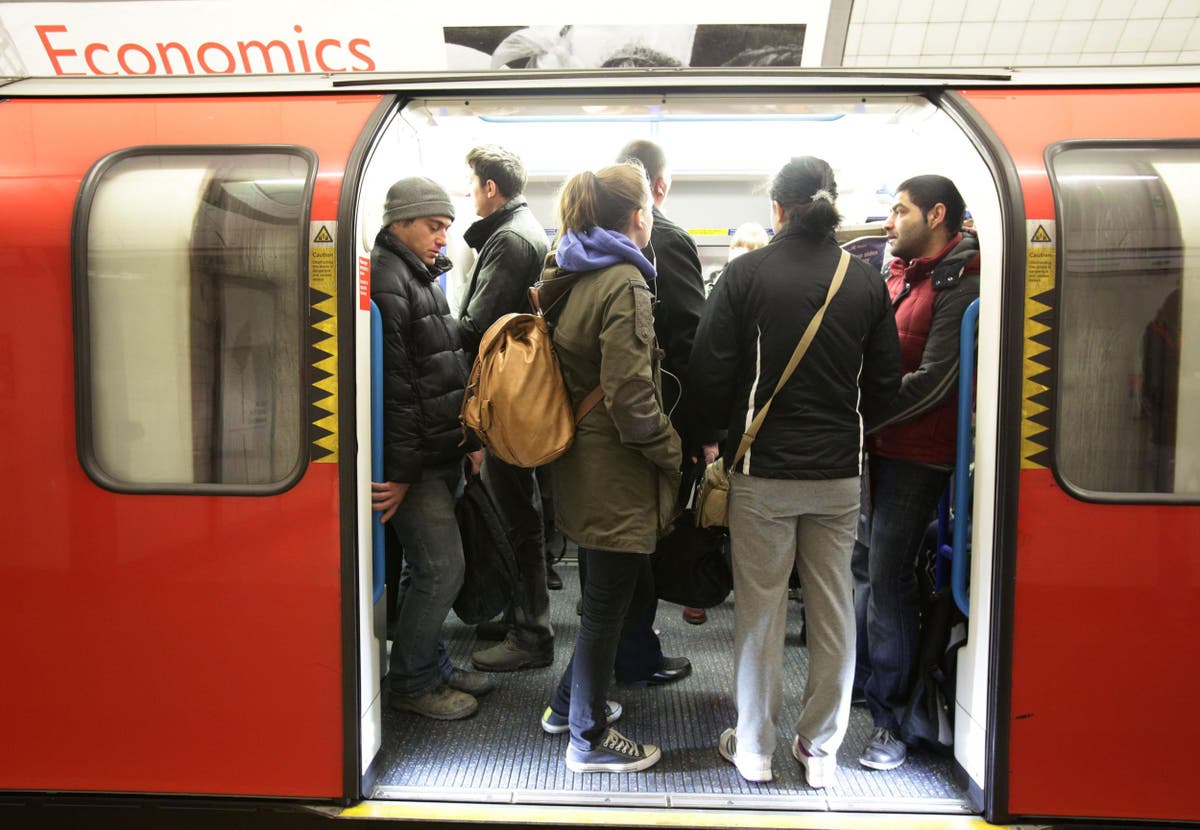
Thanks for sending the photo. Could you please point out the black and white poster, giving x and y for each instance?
(621, 46)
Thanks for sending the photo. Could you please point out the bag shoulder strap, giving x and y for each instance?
(596, 395)
(809, 333)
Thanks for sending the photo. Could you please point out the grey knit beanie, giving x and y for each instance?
(415, 197)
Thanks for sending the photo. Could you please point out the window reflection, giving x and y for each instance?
(1128, 396)
(194, 279)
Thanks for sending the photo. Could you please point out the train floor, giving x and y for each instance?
(501, 755)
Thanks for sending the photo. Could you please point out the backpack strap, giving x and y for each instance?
(589, 403)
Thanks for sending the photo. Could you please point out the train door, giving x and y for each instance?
(1098, 676)
(722, 148)
(172, 577)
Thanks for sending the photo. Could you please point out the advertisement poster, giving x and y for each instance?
(220, 37)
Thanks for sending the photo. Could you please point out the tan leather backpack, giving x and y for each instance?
(516, 400)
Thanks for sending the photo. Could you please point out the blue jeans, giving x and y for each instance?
(639, 651)
(433, 555)
(583, 689)
(903, 496)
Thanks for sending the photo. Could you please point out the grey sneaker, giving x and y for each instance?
(557, 724)
(475, 683)
(884, 751)
(615, 753)
(509, 656)
(442, 703)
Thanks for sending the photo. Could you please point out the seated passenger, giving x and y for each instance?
(615, 488)
(794, 495)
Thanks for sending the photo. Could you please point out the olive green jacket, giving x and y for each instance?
(616, 487)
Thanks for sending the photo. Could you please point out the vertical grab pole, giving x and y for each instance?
(378, 538)
(961, 565)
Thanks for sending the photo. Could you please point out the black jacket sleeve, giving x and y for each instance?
(680, 290)
(506, 267)
(937, 377)
(401, 406)
(713, 370)
(881, 369)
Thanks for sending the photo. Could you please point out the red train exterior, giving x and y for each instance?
(171, 644)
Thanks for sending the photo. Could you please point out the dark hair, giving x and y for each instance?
(633, 55)
(646, 153)
(784, 55)
(606, 199)
(502, 166)
(928, 190)
(794, 188)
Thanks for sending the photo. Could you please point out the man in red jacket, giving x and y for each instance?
(932, 280)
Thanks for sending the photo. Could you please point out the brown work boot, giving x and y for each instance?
(508, 655)
(440, 703)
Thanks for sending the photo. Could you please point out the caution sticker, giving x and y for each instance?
(1037, 396)
(322, 284)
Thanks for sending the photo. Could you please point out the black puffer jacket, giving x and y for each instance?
(750, 328)
(424, 368)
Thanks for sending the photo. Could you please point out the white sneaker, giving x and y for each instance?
(755, 768)
(821, 771)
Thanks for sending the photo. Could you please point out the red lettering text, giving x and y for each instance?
(209, 46)
(320, 53)
(151, 66)
(52, 53)
(166, 60)
(88, 52)
(355, 45)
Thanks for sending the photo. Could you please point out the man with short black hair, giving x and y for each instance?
(932, 280)
(511, 246)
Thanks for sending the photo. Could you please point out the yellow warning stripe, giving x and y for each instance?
(494, 814)
(323, 288)
(1035, 437)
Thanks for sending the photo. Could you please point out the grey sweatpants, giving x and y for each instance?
(773, 524)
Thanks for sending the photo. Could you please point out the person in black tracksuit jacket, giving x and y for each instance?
(424, 377)
(511, 246)
(794, 495)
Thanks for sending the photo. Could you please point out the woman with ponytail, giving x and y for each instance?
(615, 489)
(794, 493)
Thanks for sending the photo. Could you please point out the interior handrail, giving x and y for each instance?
(960, 567)
(378, 530)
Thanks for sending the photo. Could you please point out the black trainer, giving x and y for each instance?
(673, 668)
(615, 753)
(884, 751)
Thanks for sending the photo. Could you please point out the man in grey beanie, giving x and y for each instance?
(424, 375)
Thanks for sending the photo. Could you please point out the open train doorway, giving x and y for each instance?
(721, 149)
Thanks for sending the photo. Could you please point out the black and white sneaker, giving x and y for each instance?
(557, 724)
(615, 753)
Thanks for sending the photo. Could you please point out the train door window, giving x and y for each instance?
(1129, 320)
(190, 278)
